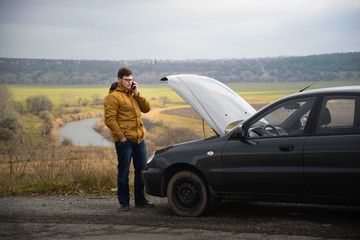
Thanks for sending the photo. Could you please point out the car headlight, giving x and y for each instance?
(151, 157)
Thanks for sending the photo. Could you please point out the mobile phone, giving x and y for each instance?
(133, 86)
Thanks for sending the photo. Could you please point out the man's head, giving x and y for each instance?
(124, 71)
(125, 77)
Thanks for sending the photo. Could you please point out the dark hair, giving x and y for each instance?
(124, 71)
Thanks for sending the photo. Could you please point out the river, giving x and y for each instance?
(82, 133)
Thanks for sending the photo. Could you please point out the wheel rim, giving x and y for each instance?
(187, 194)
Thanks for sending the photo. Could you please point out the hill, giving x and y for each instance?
(280, 69)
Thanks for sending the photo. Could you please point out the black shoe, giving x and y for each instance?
(144, 204)
(125, 207)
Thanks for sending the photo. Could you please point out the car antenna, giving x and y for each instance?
(321, 79)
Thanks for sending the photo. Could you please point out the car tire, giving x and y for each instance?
(187, 194)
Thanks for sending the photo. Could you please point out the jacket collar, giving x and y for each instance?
(119, 88)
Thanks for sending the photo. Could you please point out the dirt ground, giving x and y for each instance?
(99, 217)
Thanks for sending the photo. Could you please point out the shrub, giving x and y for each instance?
(77, 110)
(37, 104)
(67, 142)
(46, 116)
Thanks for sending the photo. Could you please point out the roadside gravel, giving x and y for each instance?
(99, 217)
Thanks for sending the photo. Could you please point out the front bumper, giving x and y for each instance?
(152, 178)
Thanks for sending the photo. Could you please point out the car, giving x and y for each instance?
(304, 147)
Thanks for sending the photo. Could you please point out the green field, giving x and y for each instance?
(55, 93)
(251, 92)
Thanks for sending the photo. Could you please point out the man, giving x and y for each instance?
(123, 106)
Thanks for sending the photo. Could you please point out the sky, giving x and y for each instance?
(177, 29)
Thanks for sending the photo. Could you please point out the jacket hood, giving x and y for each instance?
(113, 86)
(212, 100)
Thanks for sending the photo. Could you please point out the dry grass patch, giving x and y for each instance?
(58, 170)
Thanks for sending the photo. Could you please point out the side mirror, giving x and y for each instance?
(239, 131)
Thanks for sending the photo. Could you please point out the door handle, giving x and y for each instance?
(286, 148)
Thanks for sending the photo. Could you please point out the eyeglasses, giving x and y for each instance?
(127, 79)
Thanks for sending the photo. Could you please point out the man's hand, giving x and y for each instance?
(123, 139)
(135, 88)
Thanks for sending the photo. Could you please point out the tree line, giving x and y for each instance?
(280, 69)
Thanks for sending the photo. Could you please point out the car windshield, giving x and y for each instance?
(288, 118)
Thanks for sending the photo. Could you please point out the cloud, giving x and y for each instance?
(177, 29)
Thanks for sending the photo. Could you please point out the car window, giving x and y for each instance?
(288, 118)
(339, 114)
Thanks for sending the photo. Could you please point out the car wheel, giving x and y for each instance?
(187, 194)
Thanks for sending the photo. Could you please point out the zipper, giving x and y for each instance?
(132, 104)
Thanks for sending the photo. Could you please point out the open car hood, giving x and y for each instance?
(216, 103)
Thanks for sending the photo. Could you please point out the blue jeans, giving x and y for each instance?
(126, 150)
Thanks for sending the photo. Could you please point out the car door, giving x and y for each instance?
(332, 153)
(270, 159)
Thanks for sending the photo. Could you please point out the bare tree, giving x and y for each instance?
(97, 100)
(8, 115)
(67, 99)
(164, 100)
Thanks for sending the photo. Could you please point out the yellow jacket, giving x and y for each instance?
(123, 114)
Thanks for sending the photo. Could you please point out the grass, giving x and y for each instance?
(260, 92)
(57, 170)
(290, 87)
